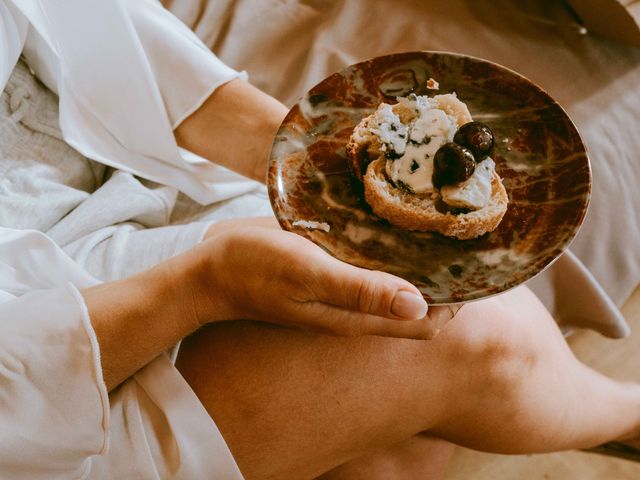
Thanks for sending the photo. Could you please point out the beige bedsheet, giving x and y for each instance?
(289, 45)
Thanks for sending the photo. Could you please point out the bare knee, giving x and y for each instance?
(491, 346)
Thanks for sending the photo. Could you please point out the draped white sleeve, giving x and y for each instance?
(127, 73)
(54, 408)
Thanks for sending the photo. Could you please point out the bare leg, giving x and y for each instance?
(420, 457)
(499, 378)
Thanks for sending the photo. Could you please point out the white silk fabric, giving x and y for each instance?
(109, 63)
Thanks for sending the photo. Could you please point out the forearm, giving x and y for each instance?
(138, 318)
(234, 128)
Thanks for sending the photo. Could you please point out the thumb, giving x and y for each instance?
(367, 291)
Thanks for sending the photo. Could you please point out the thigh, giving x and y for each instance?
(294, 404)
(499, 378)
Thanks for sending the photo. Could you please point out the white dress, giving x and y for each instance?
(83, 184)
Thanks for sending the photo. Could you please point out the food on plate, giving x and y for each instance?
(427, 166)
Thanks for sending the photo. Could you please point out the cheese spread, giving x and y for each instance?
(410, 147)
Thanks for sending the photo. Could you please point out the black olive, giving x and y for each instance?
(452, 164)
(477, 137)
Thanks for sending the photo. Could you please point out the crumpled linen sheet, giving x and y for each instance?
(287, 46)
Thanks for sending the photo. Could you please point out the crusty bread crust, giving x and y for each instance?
(360, 153)
(419, 212)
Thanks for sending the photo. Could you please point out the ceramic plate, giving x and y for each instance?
(538, 153)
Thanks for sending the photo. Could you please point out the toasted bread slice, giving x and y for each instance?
(420, 212)
(424, 212)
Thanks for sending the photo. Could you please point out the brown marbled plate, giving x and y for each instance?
(539, 155)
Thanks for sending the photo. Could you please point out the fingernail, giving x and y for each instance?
(408, 305)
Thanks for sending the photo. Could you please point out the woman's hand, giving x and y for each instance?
(266, 274)
(255, 272)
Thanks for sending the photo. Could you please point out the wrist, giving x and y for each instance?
(136, 319)
(234, 128)
(275, 113)
(199, 272)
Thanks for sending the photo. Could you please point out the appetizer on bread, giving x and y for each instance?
(426, 166)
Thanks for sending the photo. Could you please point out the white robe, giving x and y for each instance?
(113, 64)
